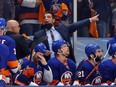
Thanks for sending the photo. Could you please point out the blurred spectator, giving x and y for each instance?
(83, 11)
(17, 10)
(50, 3)
(114, 18)
(22, 49)
(61, 8)
(7, 9)
(29, 15)
(102, 7)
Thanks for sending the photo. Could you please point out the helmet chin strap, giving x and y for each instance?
(94, 59)
(63, 53)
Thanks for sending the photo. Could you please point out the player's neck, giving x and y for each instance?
(92, 62)
(114, 60)
(62, 58)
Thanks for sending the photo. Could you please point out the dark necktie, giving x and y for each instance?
(52, 35)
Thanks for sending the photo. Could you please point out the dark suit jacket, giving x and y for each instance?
(65, 32)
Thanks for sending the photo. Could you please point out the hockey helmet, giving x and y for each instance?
(91, 48)
(111, 41)
(57, 45)
(41, 48)
(2, 23)
(112, 49)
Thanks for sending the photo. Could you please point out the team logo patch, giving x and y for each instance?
(38, 77)
(97, 80)
(66, 77)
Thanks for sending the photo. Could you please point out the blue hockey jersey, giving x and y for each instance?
(62, 73)
(10, 43)
(38, 71)
(86, 68)
(4, 52)
(48, 4)
(108, 70)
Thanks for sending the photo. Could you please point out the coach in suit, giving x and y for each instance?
(61, 32)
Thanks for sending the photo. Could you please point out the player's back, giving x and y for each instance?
(7, 41)
(108, 70)
(4, 52)
(10, 43)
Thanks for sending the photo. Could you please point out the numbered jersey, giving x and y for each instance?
(4, 72)
(61, 72)
(4, 52)
(10, 43)
(86, 68)
(108, 71)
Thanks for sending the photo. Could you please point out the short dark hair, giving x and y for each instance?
(49, 12)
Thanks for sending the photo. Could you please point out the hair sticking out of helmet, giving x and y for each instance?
(2, 23)
(91, 48)
(40, 48)
(57, 45)
(112, 49)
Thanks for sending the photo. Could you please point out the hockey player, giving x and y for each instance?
(108, 67)
(63, 68)
(4, 52)
(42, 72)
(88, 70)
(12, 62)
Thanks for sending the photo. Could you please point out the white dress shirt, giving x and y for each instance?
(57, 36)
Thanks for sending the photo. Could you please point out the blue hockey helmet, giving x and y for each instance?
(41, 48)
(91, 48)
(111, 41)
(2, 23)
(112, 49)
(57, 45)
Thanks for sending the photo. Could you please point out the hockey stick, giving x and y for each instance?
(97, 65)
(81, 64)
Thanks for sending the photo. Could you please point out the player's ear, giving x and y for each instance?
(59, 50)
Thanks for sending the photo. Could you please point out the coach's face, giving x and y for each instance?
(48, 18)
